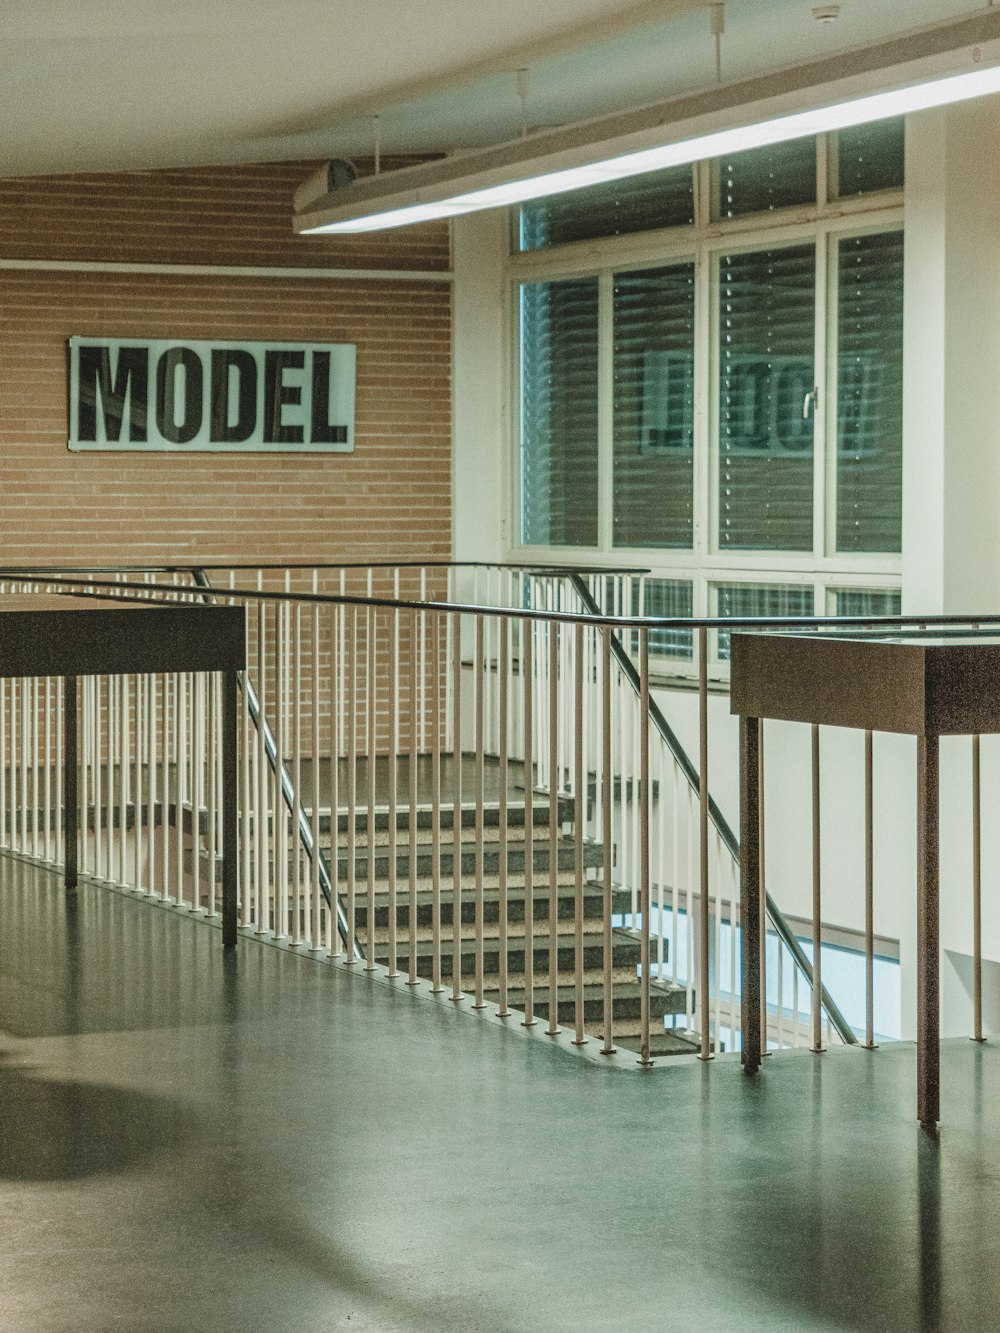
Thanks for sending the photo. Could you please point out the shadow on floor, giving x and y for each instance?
(55, 1129)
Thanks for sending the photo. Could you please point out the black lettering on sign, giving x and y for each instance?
(131, 380)
(222, 430)
(277, 394)
(166, 395)
(324, 431)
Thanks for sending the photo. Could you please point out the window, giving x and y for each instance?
(742, 600)
(559, 413)
(671, 599)
(869, 158)
(653, 503)
(763, 179)
(870, 392)
(766, 323)
(865, 602)
(642, 203)
(710, 384)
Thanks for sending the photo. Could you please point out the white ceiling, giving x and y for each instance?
(113, 84)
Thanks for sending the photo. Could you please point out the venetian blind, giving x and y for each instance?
(559, 413)
(653, 407)
(637, 203)
(870, 392)
(766, 370)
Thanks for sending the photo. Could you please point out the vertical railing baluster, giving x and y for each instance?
(352, 780)
(180, 762)
(165, 794)
(278, 819)
(26, 711)
(47, 761)
(553, 776)
(60, 795)
(332, 937)
(371, 621)
(416, 678)
(392, 688)
(503, 851)
(817, 984)
(315, 933)
(456, 809)
(704, 999)
(262, 888)
(644, 797)
(437, 686)
(198, 744)
(481, 709)
(870, 893)
(295, 686)
(762, 876)
(579, 814)
(528, 723)
(211, 686)
(34, 769)
(607, 837)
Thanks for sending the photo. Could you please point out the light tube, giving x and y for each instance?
(857, 111)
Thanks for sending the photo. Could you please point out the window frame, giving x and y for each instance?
(703, 243)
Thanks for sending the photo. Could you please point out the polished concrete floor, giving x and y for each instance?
(267, 1143)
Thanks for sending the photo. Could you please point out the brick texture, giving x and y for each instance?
(391, 498)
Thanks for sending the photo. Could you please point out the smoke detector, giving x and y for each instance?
(826, 13)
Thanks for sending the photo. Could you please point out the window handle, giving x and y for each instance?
(809, 398)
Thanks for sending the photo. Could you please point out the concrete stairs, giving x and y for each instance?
(665, 999)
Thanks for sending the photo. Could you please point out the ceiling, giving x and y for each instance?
(91, 85)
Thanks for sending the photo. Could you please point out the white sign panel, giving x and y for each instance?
(214, 397)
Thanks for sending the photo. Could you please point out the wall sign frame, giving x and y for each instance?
(193, 396)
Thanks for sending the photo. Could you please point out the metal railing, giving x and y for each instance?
(462, 791)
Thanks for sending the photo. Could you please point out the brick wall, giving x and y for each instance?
(391, 497)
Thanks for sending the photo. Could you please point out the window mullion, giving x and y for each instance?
(605, 409)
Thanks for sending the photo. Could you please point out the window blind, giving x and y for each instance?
(766, 368)
(559, 413)
(653, 502)
(762, 179)
(870, 392)
(870, 157)
(638, 203)
(751, 599)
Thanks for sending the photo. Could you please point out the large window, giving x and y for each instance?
(709, 371)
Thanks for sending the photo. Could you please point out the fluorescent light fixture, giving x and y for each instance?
(948, 64)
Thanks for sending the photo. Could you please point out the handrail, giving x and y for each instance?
(831, 624)
(287, 789)
(721, 824)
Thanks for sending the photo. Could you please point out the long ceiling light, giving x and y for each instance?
(935, 67)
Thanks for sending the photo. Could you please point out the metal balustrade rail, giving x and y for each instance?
(414, 738)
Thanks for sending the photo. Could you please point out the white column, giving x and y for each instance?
(480, 374)
(951, 474)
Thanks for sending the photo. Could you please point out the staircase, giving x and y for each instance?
(666, 999)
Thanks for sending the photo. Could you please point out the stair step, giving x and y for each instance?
(664, 999)
(625, 955)
(491, 813)
(593, 859)
(593, 905)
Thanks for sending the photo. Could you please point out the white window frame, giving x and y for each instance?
(702, 243)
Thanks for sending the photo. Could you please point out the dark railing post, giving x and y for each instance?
(750, 1004)
(70, 798)
(230, 809)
